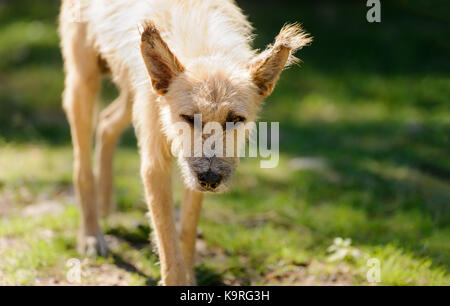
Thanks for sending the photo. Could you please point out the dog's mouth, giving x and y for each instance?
(207, 189)
(218, 189)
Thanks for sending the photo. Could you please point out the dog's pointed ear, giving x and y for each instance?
(266, 68)
(162, 64)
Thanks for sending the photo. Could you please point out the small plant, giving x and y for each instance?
(341, 249)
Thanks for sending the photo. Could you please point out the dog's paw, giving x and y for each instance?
(93, 246)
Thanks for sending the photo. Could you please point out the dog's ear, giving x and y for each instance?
(162, 64)
(266, 68)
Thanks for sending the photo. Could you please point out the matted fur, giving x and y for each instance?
(170, 59)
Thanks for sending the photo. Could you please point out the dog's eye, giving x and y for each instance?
(188, 119)
(237, 119)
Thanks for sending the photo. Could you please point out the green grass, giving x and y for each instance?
(370, 103)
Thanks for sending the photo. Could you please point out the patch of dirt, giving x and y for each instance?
(6, 198)
(43, 208)
(92, 275)
(7, 243)
(24, 202)
(313, 274)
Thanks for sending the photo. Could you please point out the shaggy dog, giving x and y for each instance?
(170, 59)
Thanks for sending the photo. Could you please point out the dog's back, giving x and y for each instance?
(191, 28)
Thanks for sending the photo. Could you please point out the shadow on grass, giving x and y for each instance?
(208, 277)
(128, 267)
(138, 238)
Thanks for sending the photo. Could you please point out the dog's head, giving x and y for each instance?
(209, 93)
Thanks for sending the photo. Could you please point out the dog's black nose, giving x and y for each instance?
(209, 179)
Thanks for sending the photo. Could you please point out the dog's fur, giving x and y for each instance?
(170, 59)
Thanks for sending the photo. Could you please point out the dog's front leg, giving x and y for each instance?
(157, 184)
(190, 212)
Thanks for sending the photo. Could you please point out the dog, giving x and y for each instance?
(170, 59)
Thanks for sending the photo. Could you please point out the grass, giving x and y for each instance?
(369, 105)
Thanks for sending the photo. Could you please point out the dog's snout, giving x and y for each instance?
(209, 179)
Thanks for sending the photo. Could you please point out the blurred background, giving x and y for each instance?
(364, 168)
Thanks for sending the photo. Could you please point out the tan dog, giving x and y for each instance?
(189, 57)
